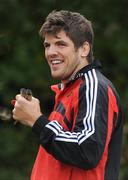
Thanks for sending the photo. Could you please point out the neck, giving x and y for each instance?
(74, 73)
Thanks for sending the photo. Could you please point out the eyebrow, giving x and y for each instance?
(59, 41)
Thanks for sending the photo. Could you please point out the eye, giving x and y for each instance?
(61, 44)
(46, 45)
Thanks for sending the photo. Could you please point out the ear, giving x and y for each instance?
(85, 49)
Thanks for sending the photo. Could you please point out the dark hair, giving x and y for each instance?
(75, 25)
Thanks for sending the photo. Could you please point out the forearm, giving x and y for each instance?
(68, 150)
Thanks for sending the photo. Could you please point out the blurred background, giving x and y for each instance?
(22, 64)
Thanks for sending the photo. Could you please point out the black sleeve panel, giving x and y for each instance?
(84, 147)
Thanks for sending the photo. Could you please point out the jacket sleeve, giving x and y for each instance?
(84, 146)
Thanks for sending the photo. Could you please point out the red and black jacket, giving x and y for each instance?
(81, 139)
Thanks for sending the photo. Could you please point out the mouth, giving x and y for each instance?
(56, 62)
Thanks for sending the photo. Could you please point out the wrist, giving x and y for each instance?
(34, 119)
(39, 124)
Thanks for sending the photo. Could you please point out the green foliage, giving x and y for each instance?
(16, 154)
(22, 64)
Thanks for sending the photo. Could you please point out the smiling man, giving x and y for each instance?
(63, 59)
(82, 138)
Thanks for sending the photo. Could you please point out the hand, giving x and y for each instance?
(26, 112)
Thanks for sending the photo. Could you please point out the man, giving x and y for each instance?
(81, 139)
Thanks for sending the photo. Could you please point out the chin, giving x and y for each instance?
(54, 76)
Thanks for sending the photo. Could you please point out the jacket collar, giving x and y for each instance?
(94, 65)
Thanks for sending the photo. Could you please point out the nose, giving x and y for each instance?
(51, 51)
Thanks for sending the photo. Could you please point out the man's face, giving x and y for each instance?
(64, 60)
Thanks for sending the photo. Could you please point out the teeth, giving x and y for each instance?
(56, 61)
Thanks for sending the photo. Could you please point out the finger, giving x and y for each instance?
(18, 96)
(14, 116)
(13, 111)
